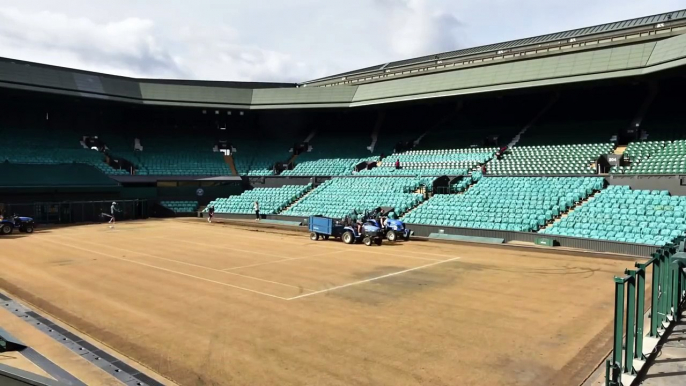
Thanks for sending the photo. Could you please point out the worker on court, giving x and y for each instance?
(210, 214)
(113, 210)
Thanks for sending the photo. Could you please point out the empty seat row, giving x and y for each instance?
(561, 159)
(338, 197)
(271, 200)
(506, 203)
(621, 214)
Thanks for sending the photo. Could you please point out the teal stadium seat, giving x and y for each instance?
(340, 196)
(654, 157)
(619, 213)
(451, 162)
(272, 200)
(50, 147)
(552, 159)
(521, 204)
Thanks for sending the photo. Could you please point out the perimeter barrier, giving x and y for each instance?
(71, 212)
(665, 298)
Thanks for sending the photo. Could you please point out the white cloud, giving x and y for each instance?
(127, 46)
(415, 28)
(217, 54)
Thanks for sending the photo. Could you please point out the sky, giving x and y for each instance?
(279, 41)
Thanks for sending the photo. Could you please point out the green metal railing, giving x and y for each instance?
(668, 289)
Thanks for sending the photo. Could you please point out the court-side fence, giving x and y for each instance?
(665, 300)
(72, 212)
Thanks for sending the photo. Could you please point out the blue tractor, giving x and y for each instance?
(24, 224)
(392, 229)
(325, 227)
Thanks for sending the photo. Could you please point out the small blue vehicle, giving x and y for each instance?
(24, 224)
(393, 229)
(325, 227)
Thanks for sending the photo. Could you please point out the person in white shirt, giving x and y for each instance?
(113, 210)
(256, 207)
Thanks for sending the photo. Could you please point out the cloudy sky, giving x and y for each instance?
(279, 40)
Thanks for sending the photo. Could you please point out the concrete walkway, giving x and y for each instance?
(669, 366)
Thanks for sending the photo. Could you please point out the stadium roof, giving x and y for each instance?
(631, 48)
(536, 40)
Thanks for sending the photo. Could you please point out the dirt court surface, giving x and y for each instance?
(211, 304)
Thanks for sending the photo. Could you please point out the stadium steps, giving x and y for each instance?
(298, 200)
(467, 188)
(441, 122)
(411, 209)
(311, 136)
(538, 117)
(572, 209)
(377, 128)
(620, 150)
(645, 106)
(232, 165)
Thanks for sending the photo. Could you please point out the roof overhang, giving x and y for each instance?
(631, 56)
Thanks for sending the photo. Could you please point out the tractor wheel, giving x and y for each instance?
(6, 229)
(377, 241)
(348, 237)
(367, 241)
(391, 236)
(314, 236)
(28, 229)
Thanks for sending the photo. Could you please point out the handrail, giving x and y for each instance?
(668, 292)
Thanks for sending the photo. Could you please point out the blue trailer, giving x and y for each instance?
(325, 227)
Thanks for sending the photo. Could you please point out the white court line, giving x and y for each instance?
(167, 270)
(226, 247)
(372, 279)
(281, 261)
(319, 245)
(198, 266)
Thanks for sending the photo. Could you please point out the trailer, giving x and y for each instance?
(325, 228)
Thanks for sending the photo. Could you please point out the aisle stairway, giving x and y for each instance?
(571, 210)
(229, 161)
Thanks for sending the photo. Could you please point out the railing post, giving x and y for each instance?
(640, 310)
(655, 299)
(674, 275)
(618, 329)
(630, 334)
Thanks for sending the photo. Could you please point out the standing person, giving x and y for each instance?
(256, 207)
(113, 211)
(210, 213)
(353, 217)
(397, 163)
